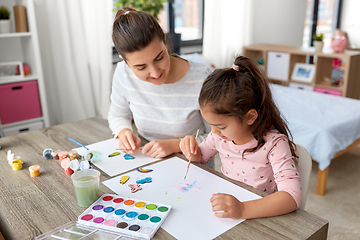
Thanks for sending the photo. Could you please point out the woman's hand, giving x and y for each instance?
(127, 140)
(226, 206)
(161, 148)
(189, 147)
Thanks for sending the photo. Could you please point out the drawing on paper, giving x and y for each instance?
(185, 187)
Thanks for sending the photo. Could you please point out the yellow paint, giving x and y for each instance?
(140, 204)
(17, 165)
(124, 179)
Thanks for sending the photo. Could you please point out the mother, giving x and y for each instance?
(157, 90)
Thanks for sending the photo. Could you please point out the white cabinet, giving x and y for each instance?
(278, 65)
(21, 47)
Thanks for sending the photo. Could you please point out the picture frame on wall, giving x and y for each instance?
(303, 72)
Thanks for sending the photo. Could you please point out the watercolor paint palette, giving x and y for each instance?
(129, 216)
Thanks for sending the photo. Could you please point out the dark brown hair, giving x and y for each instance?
(233, 93)
(134, 30)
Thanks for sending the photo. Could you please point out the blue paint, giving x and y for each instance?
(109, 209)
(144, 180)
(128, 156)
(131, 214)
(187, 188)
(120, 212)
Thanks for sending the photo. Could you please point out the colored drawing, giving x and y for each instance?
(185, 187)
(134, 187)
(124, 179)
(139, 169)
(128, 156)
(144, 180)
(114, 154)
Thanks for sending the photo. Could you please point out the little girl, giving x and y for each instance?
(252, 141)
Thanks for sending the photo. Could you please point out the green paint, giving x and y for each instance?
(143, 216)
(155, 219)
(151, 206)
(114, 154)
(87, 195)
(162, 209)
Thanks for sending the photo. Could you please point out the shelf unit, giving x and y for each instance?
(22, 47)
(323, 67)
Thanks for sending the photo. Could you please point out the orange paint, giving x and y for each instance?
(34, 170)
(62, 155)
(129, 202)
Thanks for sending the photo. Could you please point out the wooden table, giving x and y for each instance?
(31, 206)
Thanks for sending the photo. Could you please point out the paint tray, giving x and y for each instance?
(114, 217)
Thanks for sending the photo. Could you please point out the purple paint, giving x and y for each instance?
(98, 220)
(97, 207)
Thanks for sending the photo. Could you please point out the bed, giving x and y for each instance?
(326, 125)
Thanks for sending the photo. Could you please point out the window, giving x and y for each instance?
(185, 17)
(322, 16)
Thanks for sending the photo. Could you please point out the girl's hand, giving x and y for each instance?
(226, 206)
(161, 148)
(127, 140)
(188, 146)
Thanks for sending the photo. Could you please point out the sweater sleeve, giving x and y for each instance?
(207, 126)
(286, 176)
(119, 116)
(208, 149)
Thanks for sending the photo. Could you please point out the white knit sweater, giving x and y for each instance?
(164, 111)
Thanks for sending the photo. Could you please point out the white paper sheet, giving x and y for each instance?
(115, 165)
(191, 216)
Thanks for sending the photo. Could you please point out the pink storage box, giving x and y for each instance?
(328, 91)
(19, 102)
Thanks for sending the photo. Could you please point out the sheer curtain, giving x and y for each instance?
(227, 28)
(76, 48)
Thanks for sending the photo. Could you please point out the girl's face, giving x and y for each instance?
(230, 128)
(151, 64)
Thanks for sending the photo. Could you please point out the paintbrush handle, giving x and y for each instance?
(77, 143)
(187, 169)
(123, 149)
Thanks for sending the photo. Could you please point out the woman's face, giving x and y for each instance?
(151, 64)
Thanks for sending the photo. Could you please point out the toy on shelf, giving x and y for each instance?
(26, 69)
(340, 41)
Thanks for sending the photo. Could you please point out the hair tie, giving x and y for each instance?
(235, 67)
(126, 12)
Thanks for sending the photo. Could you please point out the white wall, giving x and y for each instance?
(350, 21)
(279, 22)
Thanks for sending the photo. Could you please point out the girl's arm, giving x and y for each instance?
(227, 206)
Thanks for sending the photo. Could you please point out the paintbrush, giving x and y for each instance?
(187, 169)
(123, 149)
(78, 143)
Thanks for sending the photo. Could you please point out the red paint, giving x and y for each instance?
(87, 217)
(107, 198)
(69, 171)
(118, 200)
